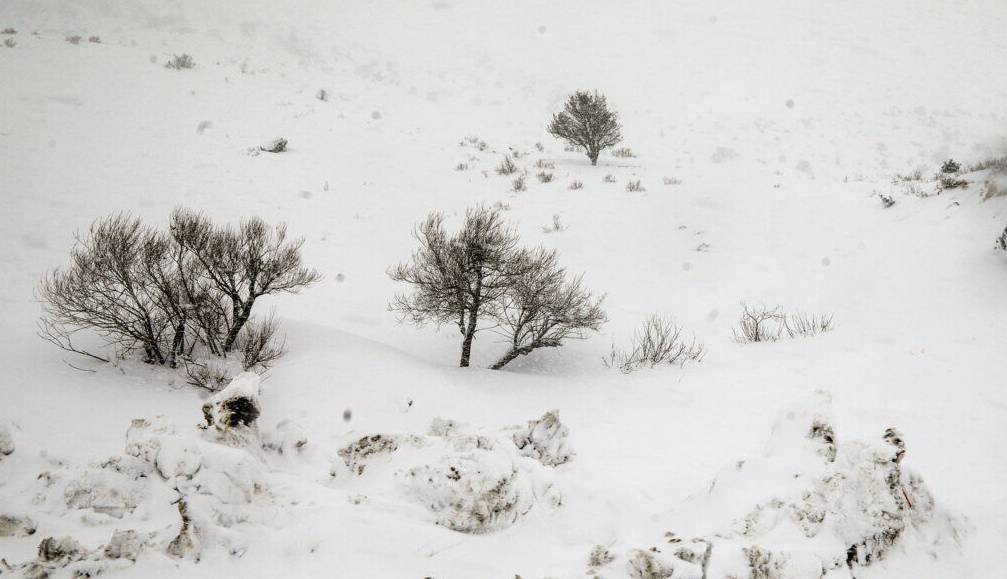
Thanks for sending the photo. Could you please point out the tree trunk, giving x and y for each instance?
(177, 344)
(511, 355)
(593, 155)
(237, 323)
(470, 331)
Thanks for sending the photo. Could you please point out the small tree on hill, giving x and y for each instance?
(587, 122)
(457, 278)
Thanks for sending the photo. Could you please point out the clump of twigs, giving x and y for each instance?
(658, 341)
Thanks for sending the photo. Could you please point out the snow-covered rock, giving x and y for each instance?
(235, 408)
(545, 440)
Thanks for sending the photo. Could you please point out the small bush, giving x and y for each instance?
(608, 179)
(575, 185)
(518, 184)
(634, 186)
(94, 39)
(915, 175)
(950, 181)
(951, 166)
(658, 341)
(322, 95)
(507, 166)
(461, 167)
(1001, 242)
(599, 557)
(886, 200)
(995, 164)
(540, 147)
(672, 181)
(8, 31)
(476, 142)
(9, 42)
(623, 153)
(542, 164)
(544, 177)
(555, 226)
(180, 62)
(75, 39)
(762, 324)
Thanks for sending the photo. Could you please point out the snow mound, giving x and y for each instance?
(828, 506)
(470, 482)
(545, 440)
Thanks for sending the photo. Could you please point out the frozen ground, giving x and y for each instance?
(781, 120)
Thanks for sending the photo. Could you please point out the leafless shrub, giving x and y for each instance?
(8, 31)
(802, 325)
(186, 293)
(886, 200)
(915, 189)
(476, 142)
(518, 184)
(544, 177)
(540, 147)
(994, 164)
(658, 341)
(461, 167)
(635, 186)
(759, 324)
(555, 226)
(73, 39)
(762, 324)
(672, 181)
(608, 178)
(507, 166)
(541, 307)
(599, 557)
(322, 95)
(623, 153)
(180, 62)
(951, 166)
(9, 42)
(587, 122)
(1001, 242)
(950, 181)
(543, 164)
(260, 347)
(94, 39)
(915, 175)
(575, 185)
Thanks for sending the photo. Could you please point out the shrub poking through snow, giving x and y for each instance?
(94, 39)
(73, 39)
(556, 226)
(576, 185)
(8, 31)
(544, 177)
(355, 455)
(461, 167)
(507, 166)
(950, 166)
(545, 440)
(180, 62)
(274, 146)
(992, 164)
(642, 564)
(659, 341)
(599, 557)
(587, 122)
(623, 153)
(762, 324)
(1001, 242)
(608, 178)
(634, 186)
(518, 184)
(9, 42)
(886, 200)
(184, 295)
(672, 181)
(15, 526)
(6, 440)
(545, 165)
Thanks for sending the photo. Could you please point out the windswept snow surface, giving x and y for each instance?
(780, 119)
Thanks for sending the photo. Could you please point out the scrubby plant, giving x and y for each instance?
(672, 181)
(543, 164)
(762, 324)
(9, 42)
(575, 185)
(555, 226)
(180, 62)
(802, 325)
(182, 295)
(507, 166)
(886, 200)
(658, 341)
(518, 184)
(94, 39)
(587, 122)
(994, 164)
(623, 153)
(608, 178)
(544, 177)
(73, 39)
(1001, 242)
(461, 167)
(635, 186)
(950, 166)
(8, 31)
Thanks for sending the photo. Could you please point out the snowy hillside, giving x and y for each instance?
(764, 137)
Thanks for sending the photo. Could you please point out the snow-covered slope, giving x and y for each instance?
(781, 120)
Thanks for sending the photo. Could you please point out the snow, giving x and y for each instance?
(763, 133)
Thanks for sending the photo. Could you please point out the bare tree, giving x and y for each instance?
(542, 307)
(457, 278)
(587, 122)
(244, 264)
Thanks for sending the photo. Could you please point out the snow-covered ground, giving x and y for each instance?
(780, 121)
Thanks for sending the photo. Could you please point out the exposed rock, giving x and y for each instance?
(357, 453)
(545, 440)
(15, 526)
